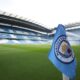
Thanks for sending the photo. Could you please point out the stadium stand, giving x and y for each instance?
(73, 33)
(17, 30)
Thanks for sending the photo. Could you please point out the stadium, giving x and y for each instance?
(24, 60)
(14, 30)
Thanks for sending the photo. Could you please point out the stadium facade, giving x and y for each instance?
(15, 30)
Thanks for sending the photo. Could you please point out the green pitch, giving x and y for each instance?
(30, 62)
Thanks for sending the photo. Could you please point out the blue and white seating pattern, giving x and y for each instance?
(16, 36)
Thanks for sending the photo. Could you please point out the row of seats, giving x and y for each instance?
(12, 35)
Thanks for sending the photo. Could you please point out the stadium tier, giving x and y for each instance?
(16, 30)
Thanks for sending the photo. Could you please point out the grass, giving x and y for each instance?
(30, 62)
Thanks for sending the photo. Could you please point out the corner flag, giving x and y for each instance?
(61, 53)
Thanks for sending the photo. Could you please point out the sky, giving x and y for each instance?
(48, 13)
